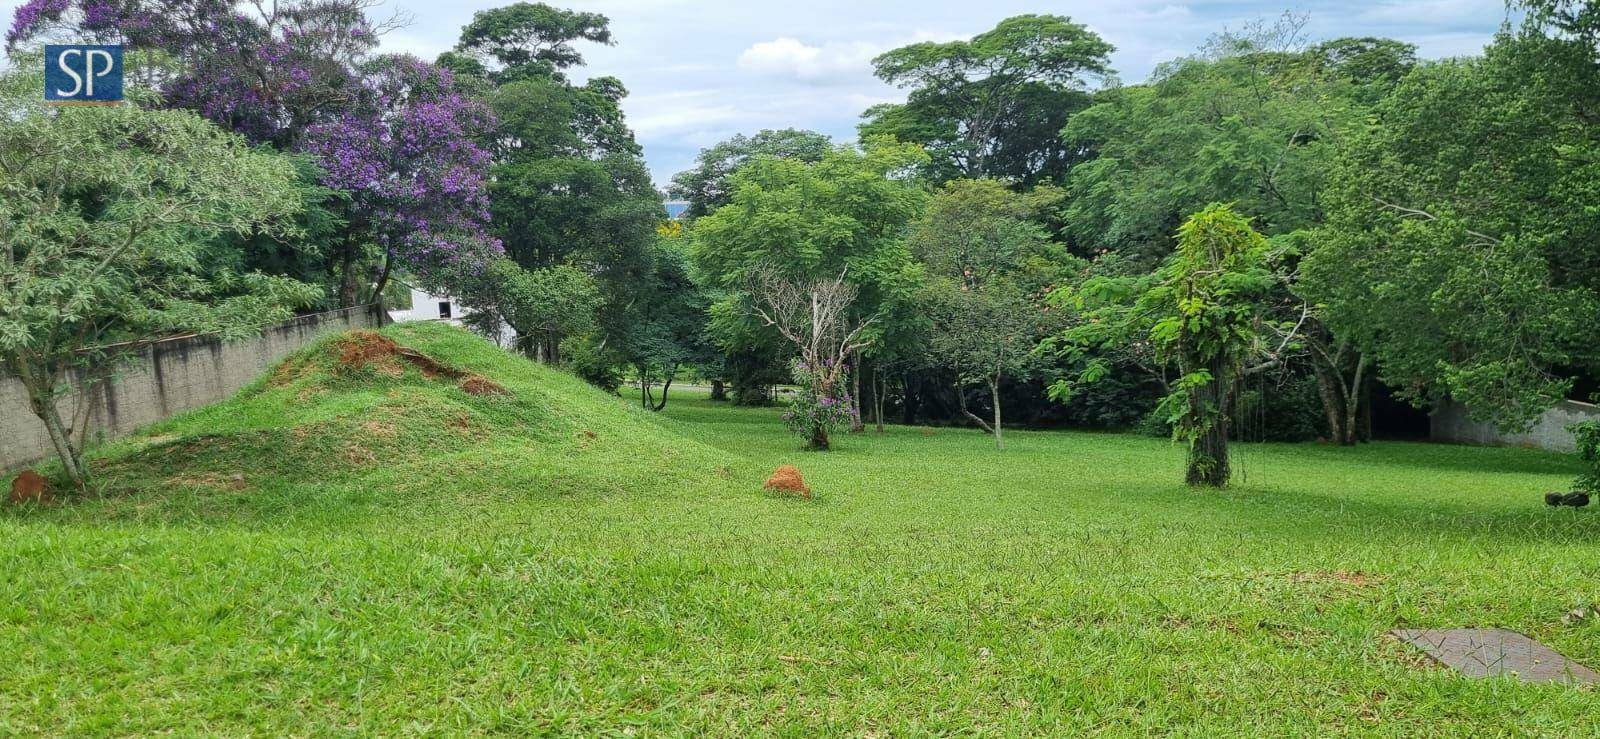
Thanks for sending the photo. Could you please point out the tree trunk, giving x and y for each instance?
(1364, 413)
(719, 390)
(1208, 455)
(856, 424)
(665, 387)
(880, 387)
(349, 286)
(819, 440)
(994, 395)
(41, 401)
(383, 278)
(1352, 404)
(1328, 391)
(961, 402)
(908, 413)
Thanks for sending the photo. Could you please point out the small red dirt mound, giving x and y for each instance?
(29, 486)
(786, 479)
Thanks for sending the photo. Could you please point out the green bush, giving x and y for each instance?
(1587, 435)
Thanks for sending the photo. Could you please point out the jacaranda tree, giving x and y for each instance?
(299, 75)
(407, 155)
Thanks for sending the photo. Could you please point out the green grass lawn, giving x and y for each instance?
(401, 556)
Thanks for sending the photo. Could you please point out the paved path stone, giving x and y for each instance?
(1491, 652)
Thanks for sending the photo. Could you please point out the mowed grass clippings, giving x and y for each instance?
(376, 550)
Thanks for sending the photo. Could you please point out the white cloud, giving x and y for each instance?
(791, 58)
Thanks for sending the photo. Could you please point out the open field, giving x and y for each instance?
(404, 556)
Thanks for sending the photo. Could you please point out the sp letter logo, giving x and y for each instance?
(83, 74)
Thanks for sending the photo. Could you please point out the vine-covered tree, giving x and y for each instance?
(1201, 313)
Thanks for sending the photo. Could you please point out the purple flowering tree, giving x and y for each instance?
(267, 71)
(408, 158)
(393, 133)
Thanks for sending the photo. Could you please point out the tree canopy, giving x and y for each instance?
(991, 106)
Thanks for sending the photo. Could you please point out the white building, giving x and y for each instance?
(426, 306)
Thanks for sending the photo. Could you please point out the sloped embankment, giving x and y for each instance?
(422, 412)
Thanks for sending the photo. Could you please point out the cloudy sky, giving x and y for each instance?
(700, 71)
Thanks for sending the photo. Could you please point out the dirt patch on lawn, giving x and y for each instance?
(483, 387)
(1347, 578)
(372, 351)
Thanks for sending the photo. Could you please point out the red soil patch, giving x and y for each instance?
(482, 386)
(30, 486)
(362, 348)
(430, 367)
(786, 479)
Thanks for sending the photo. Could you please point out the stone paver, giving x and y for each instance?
(1491, 652)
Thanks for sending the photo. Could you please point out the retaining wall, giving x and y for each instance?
(162, 379)
(1449, 423)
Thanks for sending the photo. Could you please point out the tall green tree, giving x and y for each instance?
(668, 331)
(1256, 118)
(1251, 120)
(529, 39)
(797, 223)
(1461, 248)
(986, 336)
(568, 186)
(708, 186)
(108, 226)
(987, 254)
(991, 106)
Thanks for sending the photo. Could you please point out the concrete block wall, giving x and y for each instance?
(1449, 423)
(163, 379)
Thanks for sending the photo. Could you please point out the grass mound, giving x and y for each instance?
(414, 408)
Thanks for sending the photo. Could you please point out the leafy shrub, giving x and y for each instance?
(1587, 435)
(598, 366)
(811, 409)
(1120, 400)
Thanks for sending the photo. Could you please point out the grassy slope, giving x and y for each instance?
(506, 572)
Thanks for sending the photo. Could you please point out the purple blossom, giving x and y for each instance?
(393, 131)
(409, 160)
